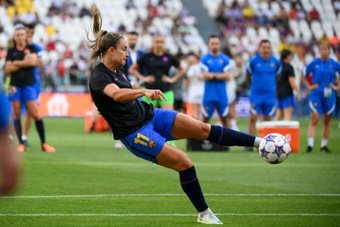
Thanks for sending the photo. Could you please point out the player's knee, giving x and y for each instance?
(183, 162)
(204, 128)
(314, 119)
(16, 113)
(327, 120)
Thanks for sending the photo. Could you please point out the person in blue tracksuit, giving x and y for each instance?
(262, 71)
(322, 85)
(215, 68)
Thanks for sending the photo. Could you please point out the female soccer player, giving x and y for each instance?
(285, 86)
(144, 129)
(322, 95)
(20, 62)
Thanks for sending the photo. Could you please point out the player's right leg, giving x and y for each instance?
(315, 109)
(176, 159)
(150, 145)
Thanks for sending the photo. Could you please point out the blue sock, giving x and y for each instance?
(192, 188)
(229, 137)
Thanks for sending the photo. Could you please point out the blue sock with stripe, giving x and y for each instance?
(192, 188)
(229, 137)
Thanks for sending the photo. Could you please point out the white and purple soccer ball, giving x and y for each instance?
(274, 148)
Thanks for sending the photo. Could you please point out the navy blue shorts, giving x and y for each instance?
(149, 140)
(5, 111)
(24, 94)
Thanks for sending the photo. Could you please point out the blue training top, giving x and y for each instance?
(215, 90)
(323, 73)
(263, 76)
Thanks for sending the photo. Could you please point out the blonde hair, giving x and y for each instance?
(103, 40)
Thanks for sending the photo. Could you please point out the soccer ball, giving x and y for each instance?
(274, 148)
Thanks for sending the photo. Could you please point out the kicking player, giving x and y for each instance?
(262, 70)
(322, 95)
(215, 66)
(144, 129)
(9, 164)
(20, 62)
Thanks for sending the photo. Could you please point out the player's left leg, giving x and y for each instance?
(329, 107)
(32, 109)
(187, 127)
(28, 119)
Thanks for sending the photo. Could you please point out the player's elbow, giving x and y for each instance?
(118, 97)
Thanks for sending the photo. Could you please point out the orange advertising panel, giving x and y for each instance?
(64, 104)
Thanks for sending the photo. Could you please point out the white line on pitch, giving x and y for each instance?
(169, 215)
(169, 195)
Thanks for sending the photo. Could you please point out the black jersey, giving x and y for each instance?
(123, 118)
(158, 66)
(24, 76)
(284, 89)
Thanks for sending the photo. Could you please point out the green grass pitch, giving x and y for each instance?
(89, 183)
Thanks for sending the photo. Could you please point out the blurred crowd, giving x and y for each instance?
(66, 65)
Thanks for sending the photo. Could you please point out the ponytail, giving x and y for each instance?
(103, 40)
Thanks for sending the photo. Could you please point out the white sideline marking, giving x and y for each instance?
(168, 195)
(170, 215)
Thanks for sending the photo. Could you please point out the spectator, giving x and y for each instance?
(262, 70)
(195, 86)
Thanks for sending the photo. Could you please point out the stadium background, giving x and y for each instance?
(61, 26)
(89, 183)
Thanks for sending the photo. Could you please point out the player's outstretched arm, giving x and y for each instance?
(127, 94)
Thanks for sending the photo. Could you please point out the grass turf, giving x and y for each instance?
(112, 187)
